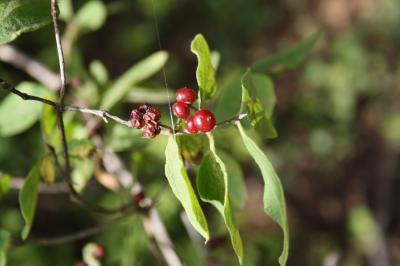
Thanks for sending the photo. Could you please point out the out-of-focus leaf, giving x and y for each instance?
(81, 148)
(48, 124)
(190, 146)
(149, 95)
(4, 184)
(5, 240)
(19, 16)
(274, 199)
(139, 72)
(82, 172)
(88, 254)
(257, 113)
(180, 184)
(277, 64)
(229, 101)
(28, 198)
(99, 72)
(91, 16)
(205, 72)
(212, 184)
(17, 115)
(236, 184)
(66, 10)
(47, 170)
(122, 138)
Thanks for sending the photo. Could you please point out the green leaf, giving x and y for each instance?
(99, 72)
(212, 184)
(182, 188)
(190, 147)
(5, 241)
(236, 184)
(19, 16)
(17, 115)
(91, 16)
(256, 110)
(4, 184)
(277, 64)
(139, 72)
(274, 199)
(28, 196)
(88, 254)
(229, 100)
(48, 125)
(205, 72)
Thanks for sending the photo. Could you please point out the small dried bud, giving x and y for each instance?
(152, 114)
(151, 129)
(137, 119)
(99, 252)
(144, 107)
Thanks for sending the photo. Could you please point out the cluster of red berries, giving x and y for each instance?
(202, 121)
(146, 117)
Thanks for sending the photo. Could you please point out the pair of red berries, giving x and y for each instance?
(202, 121)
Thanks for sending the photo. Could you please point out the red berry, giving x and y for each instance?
(190, 126)
(186, 95)
(204, 120)
(181, 110)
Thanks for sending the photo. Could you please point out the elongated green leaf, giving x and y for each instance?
(212, 184)
(47, 170)
(4, 184)
(236, 185)
(139, 72)
(91, 16)
(28, 196)
(258, 116)
(180, 184)
(205, 72)
(81, 148)
(277, 64)
(5, 239)
(19, 16)
(17, 115)
(274, 199)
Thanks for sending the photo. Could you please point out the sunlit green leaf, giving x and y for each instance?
(28, 196)
(257, 113)
(91, 16)
(139, 72)
(82, 172)
(180, 184)
(212, 184)
(5, 240)
(274, 199)
(16, 120)
(277, 64)
(19, 16)
(4, 184)
(205, 72)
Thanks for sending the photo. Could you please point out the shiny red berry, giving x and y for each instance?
(181, 110)
(186, 95)
(204, 120)
(190, 126)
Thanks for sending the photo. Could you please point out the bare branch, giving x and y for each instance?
(85, 233)
(11, 55)
(165, 129)
(57, 188)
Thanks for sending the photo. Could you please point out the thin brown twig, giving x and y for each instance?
(85, 233)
